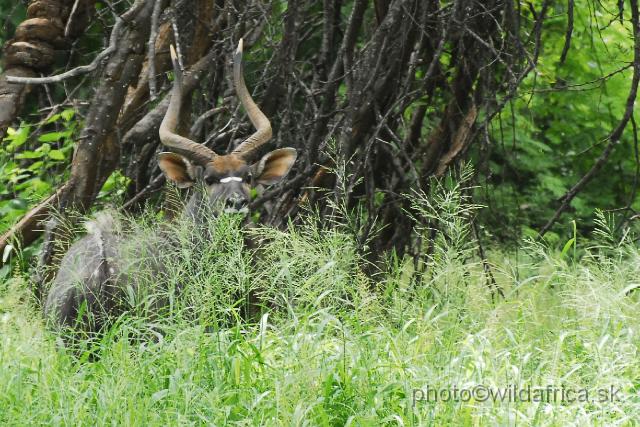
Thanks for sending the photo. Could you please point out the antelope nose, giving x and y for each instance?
(236, 203)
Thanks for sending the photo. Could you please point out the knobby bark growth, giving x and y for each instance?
(51, 26)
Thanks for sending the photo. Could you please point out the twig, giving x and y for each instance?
(152, 187)
(67, 28)
(569, 88)
(151, 49)
(196, 128)
(83, 69)
(628, 208)
(491, 280)
(567, 37)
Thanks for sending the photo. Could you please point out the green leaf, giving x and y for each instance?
(18, 137)
(568, 246)
(6, 253)
(56, 155)
(35, 187)
(36, 166)
(54, 136)
(18, 204)
(53, 119)
(68, 114)
(19, 176)
(30, 155)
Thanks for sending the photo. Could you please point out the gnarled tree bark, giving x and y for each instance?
(32, 50)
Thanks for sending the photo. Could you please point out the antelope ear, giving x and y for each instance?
(176, 169)
(274, 166)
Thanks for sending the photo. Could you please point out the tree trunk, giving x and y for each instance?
(50, 27)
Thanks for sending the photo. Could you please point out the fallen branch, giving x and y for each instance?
(26, 231)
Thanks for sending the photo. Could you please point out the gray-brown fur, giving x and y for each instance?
(101, 272)
(104, 269)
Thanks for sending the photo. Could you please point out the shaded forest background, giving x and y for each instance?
(379, 97)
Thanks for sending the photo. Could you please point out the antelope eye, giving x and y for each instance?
(210, 179)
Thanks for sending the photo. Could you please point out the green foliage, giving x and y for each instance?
(292, 332)
(113, 190)
(551, 135)
(33, 161)
(289, 331)
(447, 210)
(333, 347)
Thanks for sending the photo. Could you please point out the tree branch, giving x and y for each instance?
(26, 231)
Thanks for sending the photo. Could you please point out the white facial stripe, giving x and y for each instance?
(230, 178)
(244, 210)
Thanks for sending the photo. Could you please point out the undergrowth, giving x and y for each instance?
(289, 330)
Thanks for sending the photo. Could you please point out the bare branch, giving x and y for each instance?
(27, 229)
(67, 28)
(151, 49)
(567, 37)
(78, 71)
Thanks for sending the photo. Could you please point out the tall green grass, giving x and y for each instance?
(332, 346)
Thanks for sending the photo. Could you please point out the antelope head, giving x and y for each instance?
(227, 178)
